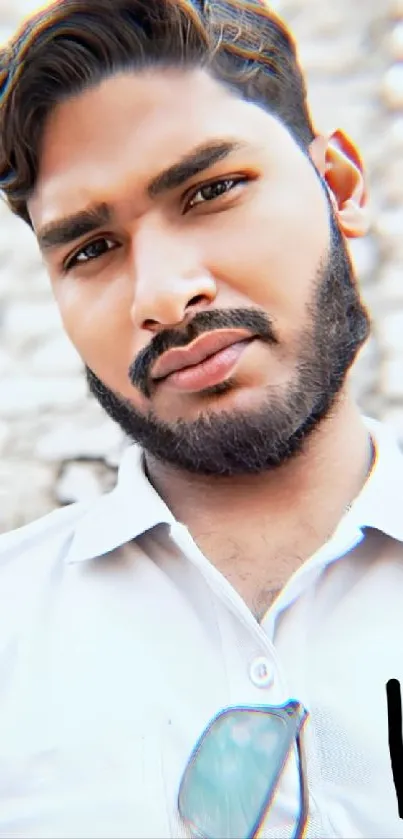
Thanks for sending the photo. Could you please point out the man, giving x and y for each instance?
(245, 576)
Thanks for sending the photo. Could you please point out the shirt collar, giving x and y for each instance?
(134, 506)
(379, 504)
(119, 516)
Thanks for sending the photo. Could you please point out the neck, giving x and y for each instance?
(280, 517)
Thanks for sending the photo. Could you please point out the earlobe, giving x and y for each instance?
(340, 164)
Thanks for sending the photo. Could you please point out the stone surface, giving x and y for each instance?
(393, 87)
(396, 42)
(391, 281)
(56, 357)
(396, 8)
(91, 441)
(393, 417)
(28, 394)
(389, 227)
(56, 445)
(395, 135)
(392, 185)
(6, 362)
(24, 324)
(392, 377)
(77, 483)
(5, 432)
(364, 254)
(26, 491)
(390, 331)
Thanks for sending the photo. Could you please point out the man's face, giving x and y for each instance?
(240, 244)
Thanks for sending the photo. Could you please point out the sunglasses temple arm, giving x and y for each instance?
(303, 791)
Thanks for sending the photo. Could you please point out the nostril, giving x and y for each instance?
(195, 300)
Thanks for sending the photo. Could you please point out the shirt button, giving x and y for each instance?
(260, 672)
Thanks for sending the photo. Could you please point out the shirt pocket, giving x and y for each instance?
(86, 789)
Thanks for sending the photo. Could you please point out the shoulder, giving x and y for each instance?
(45, 534)
(33, 568)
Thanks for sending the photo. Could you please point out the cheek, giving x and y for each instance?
(272, 248)
(96, 318)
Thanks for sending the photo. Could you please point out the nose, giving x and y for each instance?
(170, 281)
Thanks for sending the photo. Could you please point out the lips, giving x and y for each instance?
(199, 350)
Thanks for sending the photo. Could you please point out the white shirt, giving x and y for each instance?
(119, 642)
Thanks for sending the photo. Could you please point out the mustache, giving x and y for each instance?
(256, 322)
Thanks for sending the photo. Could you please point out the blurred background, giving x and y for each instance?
(56, 446)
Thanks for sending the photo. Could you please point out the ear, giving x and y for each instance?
(339, 163)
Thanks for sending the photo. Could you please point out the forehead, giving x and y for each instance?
(130, 127)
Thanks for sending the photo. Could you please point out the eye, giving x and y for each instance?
(212, 191)
(94, 250)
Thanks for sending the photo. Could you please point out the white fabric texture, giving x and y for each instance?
(119, 641)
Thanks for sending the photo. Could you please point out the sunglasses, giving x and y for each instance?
(233, 773)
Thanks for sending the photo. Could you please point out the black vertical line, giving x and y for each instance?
(394, 700)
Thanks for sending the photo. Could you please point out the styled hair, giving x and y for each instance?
(71, 45)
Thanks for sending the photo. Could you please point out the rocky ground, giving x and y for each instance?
(55, 444)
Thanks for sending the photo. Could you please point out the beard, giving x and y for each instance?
(230, 443)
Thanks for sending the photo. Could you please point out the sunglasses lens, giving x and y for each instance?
(232, 774)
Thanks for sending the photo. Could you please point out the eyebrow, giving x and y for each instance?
(67, 230)
(200, 159)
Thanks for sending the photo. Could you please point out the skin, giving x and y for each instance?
(170, 260)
